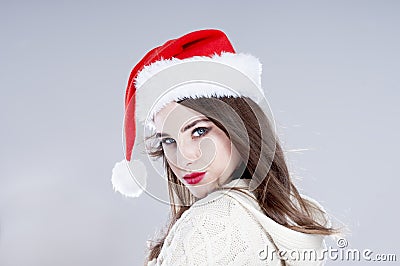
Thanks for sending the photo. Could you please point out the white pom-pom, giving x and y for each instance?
(129, 178)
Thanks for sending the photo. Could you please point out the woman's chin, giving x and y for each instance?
(202, 190)
(199, 195)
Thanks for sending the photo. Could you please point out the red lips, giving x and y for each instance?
(194, 178)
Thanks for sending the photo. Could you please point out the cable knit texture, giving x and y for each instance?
(228, 228)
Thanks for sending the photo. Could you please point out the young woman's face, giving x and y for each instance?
(198, 152)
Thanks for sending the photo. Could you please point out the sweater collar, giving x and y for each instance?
(237, 183)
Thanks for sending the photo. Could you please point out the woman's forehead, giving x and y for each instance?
(174, 117)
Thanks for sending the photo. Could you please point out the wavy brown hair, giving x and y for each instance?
(249, 129)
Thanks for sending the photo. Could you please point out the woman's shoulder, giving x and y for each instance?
(224, 210)
(212, 212)
(227, 227)
(215, 230)
(239, 209)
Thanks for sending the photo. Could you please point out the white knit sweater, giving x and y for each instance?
(229, 228)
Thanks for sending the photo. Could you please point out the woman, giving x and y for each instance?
(232, 199)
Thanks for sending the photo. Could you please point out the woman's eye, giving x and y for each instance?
(167, 141)
(200, 131)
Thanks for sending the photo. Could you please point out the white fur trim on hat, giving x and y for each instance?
(123, 175)
(245, 63)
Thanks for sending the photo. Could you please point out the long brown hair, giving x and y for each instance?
(248, 127)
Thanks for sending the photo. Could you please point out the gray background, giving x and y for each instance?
(330, 71)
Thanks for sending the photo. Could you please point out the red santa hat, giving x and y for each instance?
(199, 64)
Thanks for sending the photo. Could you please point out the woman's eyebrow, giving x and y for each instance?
(194, 123)
(161, 134)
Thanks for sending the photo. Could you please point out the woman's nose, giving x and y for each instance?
(187, 153)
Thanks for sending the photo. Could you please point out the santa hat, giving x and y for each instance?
(199, 64)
